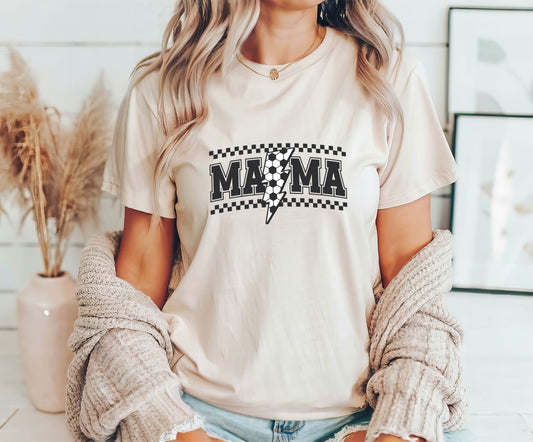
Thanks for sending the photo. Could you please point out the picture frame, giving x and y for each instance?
(488, 71)
(492, 203)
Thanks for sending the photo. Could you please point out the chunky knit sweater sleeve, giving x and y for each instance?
(120, 385)
(416, 385)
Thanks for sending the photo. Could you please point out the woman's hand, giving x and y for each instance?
(198, 435)
(359, 436)
(390, 438)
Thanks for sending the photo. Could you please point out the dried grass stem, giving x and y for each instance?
(52, 172)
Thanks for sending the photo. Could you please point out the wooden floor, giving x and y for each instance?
(497, 357)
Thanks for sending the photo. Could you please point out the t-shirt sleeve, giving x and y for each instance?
(137, 139)
(421, 161)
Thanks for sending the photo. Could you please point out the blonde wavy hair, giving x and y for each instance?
(204, 36)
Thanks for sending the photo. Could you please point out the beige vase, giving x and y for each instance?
(46, 311)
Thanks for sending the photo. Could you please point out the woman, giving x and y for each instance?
(289, 160)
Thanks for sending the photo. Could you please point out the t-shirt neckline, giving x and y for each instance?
(297, 66)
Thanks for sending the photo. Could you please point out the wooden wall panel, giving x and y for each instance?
(65, 75)
(65, 22)
(425, 22)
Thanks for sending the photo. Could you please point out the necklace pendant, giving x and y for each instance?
(274, 74)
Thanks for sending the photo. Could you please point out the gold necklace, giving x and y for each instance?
(274, 73)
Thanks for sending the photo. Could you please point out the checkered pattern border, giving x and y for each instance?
(265, 148)
(237, 205)
(289, 202)
(312, 202)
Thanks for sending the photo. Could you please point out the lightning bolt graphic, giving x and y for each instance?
(275, 175)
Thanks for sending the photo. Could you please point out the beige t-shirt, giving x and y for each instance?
(275, 203)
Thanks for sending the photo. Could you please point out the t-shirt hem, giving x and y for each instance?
(111, 187)
(416, 193)
(114, 189)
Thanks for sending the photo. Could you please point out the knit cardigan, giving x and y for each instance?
(120, 383)
(416, 383)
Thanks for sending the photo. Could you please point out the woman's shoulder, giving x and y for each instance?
(144, 85)
(404, 64)
(342, 42)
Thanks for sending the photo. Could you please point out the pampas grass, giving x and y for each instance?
(52, 172)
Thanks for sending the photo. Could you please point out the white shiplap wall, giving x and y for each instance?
(67, 44)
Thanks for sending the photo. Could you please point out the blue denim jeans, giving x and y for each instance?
(235, 427)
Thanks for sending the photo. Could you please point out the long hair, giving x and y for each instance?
(204, 36)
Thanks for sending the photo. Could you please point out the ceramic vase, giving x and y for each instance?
(46, 311)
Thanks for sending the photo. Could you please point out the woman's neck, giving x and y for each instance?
(281, 36)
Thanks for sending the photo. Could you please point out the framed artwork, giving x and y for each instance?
(492, 203)
(490, 67)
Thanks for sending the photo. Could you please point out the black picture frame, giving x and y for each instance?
(452, 109)
(456, 187)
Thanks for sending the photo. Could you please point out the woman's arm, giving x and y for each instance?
(402, 232)
(145, 255)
